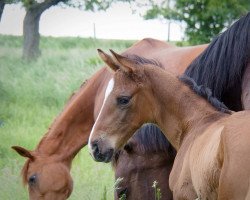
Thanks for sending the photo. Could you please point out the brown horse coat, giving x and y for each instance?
(213, 148)
(70, 130)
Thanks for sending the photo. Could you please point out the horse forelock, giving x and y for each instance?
(141, 60)
(221, 66)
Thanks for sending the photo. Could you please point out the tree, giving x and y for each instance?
(34, 10)
(204, 18)
(31, 36)
(2, 5)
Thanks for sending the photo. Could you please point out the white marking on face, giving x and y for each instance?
(107, 93)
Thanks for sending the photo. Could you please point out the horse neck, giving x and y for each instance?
(70, 130)
(178, 109)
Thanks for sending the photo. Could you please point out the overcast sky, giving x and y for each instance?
(117, 22)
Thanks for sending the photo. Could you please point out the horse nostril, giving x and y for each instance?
(32, 180)
(100, 156)
(95, 150)
(94, 146)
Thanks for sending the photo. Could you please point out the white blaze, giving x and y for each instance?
(107, 93)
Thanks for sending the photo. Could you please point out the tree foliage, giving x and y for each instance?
(204, 18)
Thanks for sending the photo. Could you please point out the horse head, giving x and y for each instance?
(47, 177)
(126, 94)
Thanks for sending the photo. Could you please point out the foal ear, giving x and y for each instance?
(108, 60)
(23, 152)
(127, 64)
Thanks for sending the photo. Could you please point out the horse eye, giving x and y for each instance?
(123, 100)
(32, 180)
(128, 148)
(123, 194)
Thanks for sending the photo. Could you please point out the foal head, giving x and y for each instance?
(47, 178)
(126, 107)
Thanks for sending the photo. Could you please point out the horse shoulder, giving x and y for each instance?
(180, 177)
(235, 171)
(204, 162)
(196, 170)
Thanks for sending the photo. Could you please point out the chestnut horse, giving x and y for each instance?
(47, 169)
(147, 157)
(213, 147)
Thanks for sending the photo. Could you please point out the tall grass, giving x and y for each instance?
(31, 96)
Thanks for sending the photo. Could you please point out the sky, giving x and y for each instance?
(117, 22)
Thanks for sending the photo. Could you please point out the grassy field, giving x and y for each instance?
(32, 95)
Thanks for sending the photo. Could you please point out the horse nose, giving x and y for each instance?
(98, 155)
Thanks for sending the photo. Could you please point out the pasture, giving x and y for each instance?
(33, 94)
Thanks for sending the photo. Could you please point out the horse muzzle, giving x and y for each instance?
(99, 154)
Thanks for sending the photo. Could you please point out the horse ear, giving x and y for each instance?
(108, 60)
(23, 152)
(127, 65)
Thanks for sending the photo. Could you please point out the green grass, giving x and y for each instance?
(33, 94)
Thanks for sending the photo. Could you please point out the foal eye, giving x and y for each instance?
(32, 180)
(124, 100)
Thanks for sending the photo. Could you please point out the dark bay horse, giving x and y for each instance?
(147, 157)
(47, 169)
(224, 66)
(213, 147)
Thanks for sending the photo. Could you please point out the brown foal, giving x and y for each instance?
(213, 148)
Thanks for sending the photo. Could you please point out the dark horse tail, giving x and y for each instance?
(221, 66)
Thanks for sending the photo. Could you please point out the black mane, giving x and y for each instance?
(221, 66)
(204, 92)
(150, 139)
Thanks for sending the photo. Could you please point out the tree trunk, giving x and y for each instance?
(31, 34)
(2, 4)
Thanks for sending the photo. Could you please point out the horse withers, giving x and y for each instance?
(213, 147)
